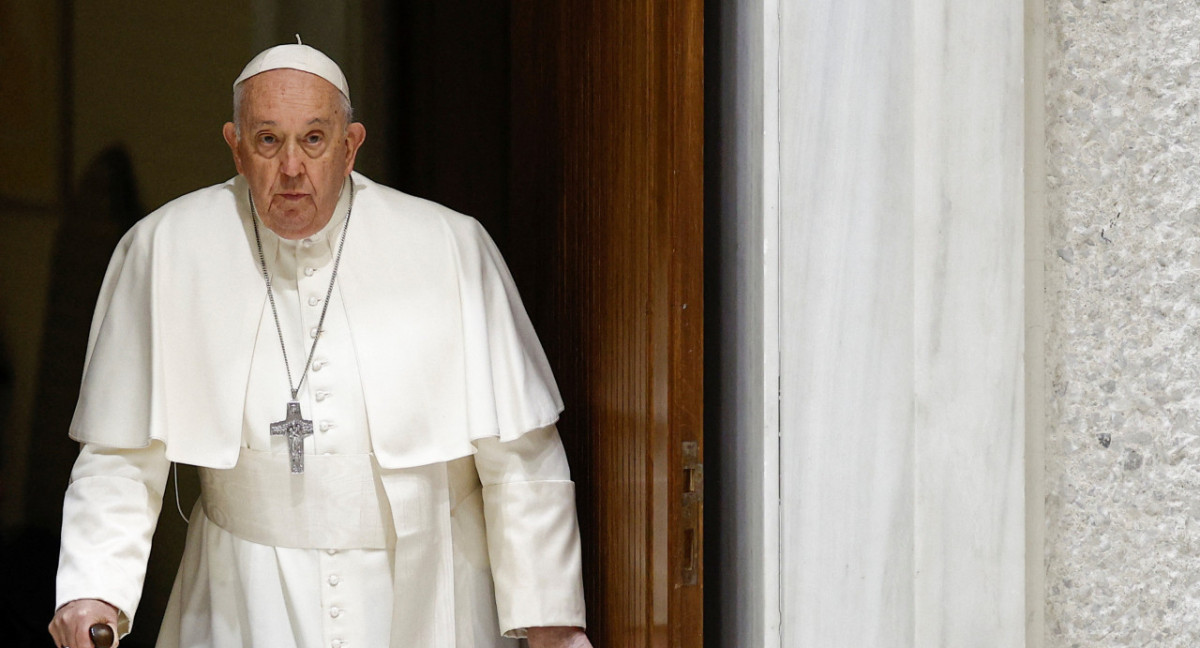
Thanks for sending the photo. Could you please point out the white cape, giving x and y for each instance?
(440, 372)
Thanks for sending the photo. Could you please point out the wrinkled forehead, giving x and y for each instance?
(287, 94)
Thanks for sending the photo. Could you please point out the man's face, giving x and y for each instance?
(295, 149)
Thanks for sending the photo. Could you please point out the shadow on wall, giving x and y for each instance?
(104, 206)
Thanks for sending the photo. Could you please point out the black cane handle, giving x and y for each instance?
(102, 635)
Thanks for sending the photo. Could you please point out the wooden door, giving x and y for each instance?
(573, 131)
(606, 182)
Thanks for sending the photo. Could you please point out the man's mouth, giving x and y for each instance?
(292, 196)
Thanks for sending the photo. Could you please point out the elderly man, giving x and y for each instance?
(353, 372)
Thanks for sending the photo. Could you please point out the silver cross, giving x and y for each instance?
(295, 427)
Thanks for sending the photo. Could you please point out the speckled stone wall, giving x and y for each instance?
(1123, 323)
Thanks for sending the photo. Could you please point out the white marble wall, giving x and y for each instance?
(1122, 445)
(901, 323)
(969, 424)
(847, 323)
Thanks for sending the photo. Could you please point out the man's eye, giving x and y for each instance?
(314, 139)
(267, 139)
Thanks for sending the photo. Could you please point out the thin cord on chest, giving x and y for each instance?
(262, 259)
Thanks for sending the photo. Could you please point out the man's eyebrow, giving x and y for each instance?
(318, 120)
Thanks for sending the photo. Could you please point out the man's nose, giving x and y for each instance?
(292, 162)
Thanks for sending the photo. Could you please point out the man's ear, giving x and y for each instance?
(356, 134)
(230, 134)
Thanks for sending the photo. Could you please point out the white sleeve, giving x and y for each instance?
(532, 531)
(109, 515)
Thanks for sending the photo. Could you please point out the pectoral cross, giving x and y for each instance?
(295, 427)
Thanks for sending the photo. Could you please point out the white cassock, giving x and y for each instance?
(433, 468)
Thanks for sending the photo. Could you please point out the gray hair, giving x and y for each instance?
(240, 89)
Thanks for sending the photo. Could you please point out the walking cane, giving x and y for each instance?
(102, 635)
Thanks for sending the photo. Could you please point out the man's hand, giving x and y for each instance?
(557, 637)
(72, 622)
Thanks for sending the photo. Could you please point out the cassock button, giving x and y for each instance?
(335, 612)
(338, 643)
(325, 425)
(308, 242)
(331, 552)
(313, 301)
(308, 272)
(322, 395)
(318, 365)
(334, 580)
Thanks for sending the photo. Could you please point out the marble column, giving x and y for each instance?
(969, 312)
(901, 324)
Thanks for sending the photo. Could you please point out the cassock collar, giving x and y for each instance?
(316, 250)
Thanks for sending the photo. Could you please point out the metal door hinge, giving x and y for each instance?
(692, 513)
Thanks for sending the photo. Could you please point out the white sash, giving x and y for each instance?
(423, 611)
(338, 503)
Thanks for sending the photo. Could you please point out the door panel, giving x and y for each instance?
(606, 189)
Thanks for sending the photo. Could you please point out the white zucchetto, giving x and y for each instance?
(296, 57)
